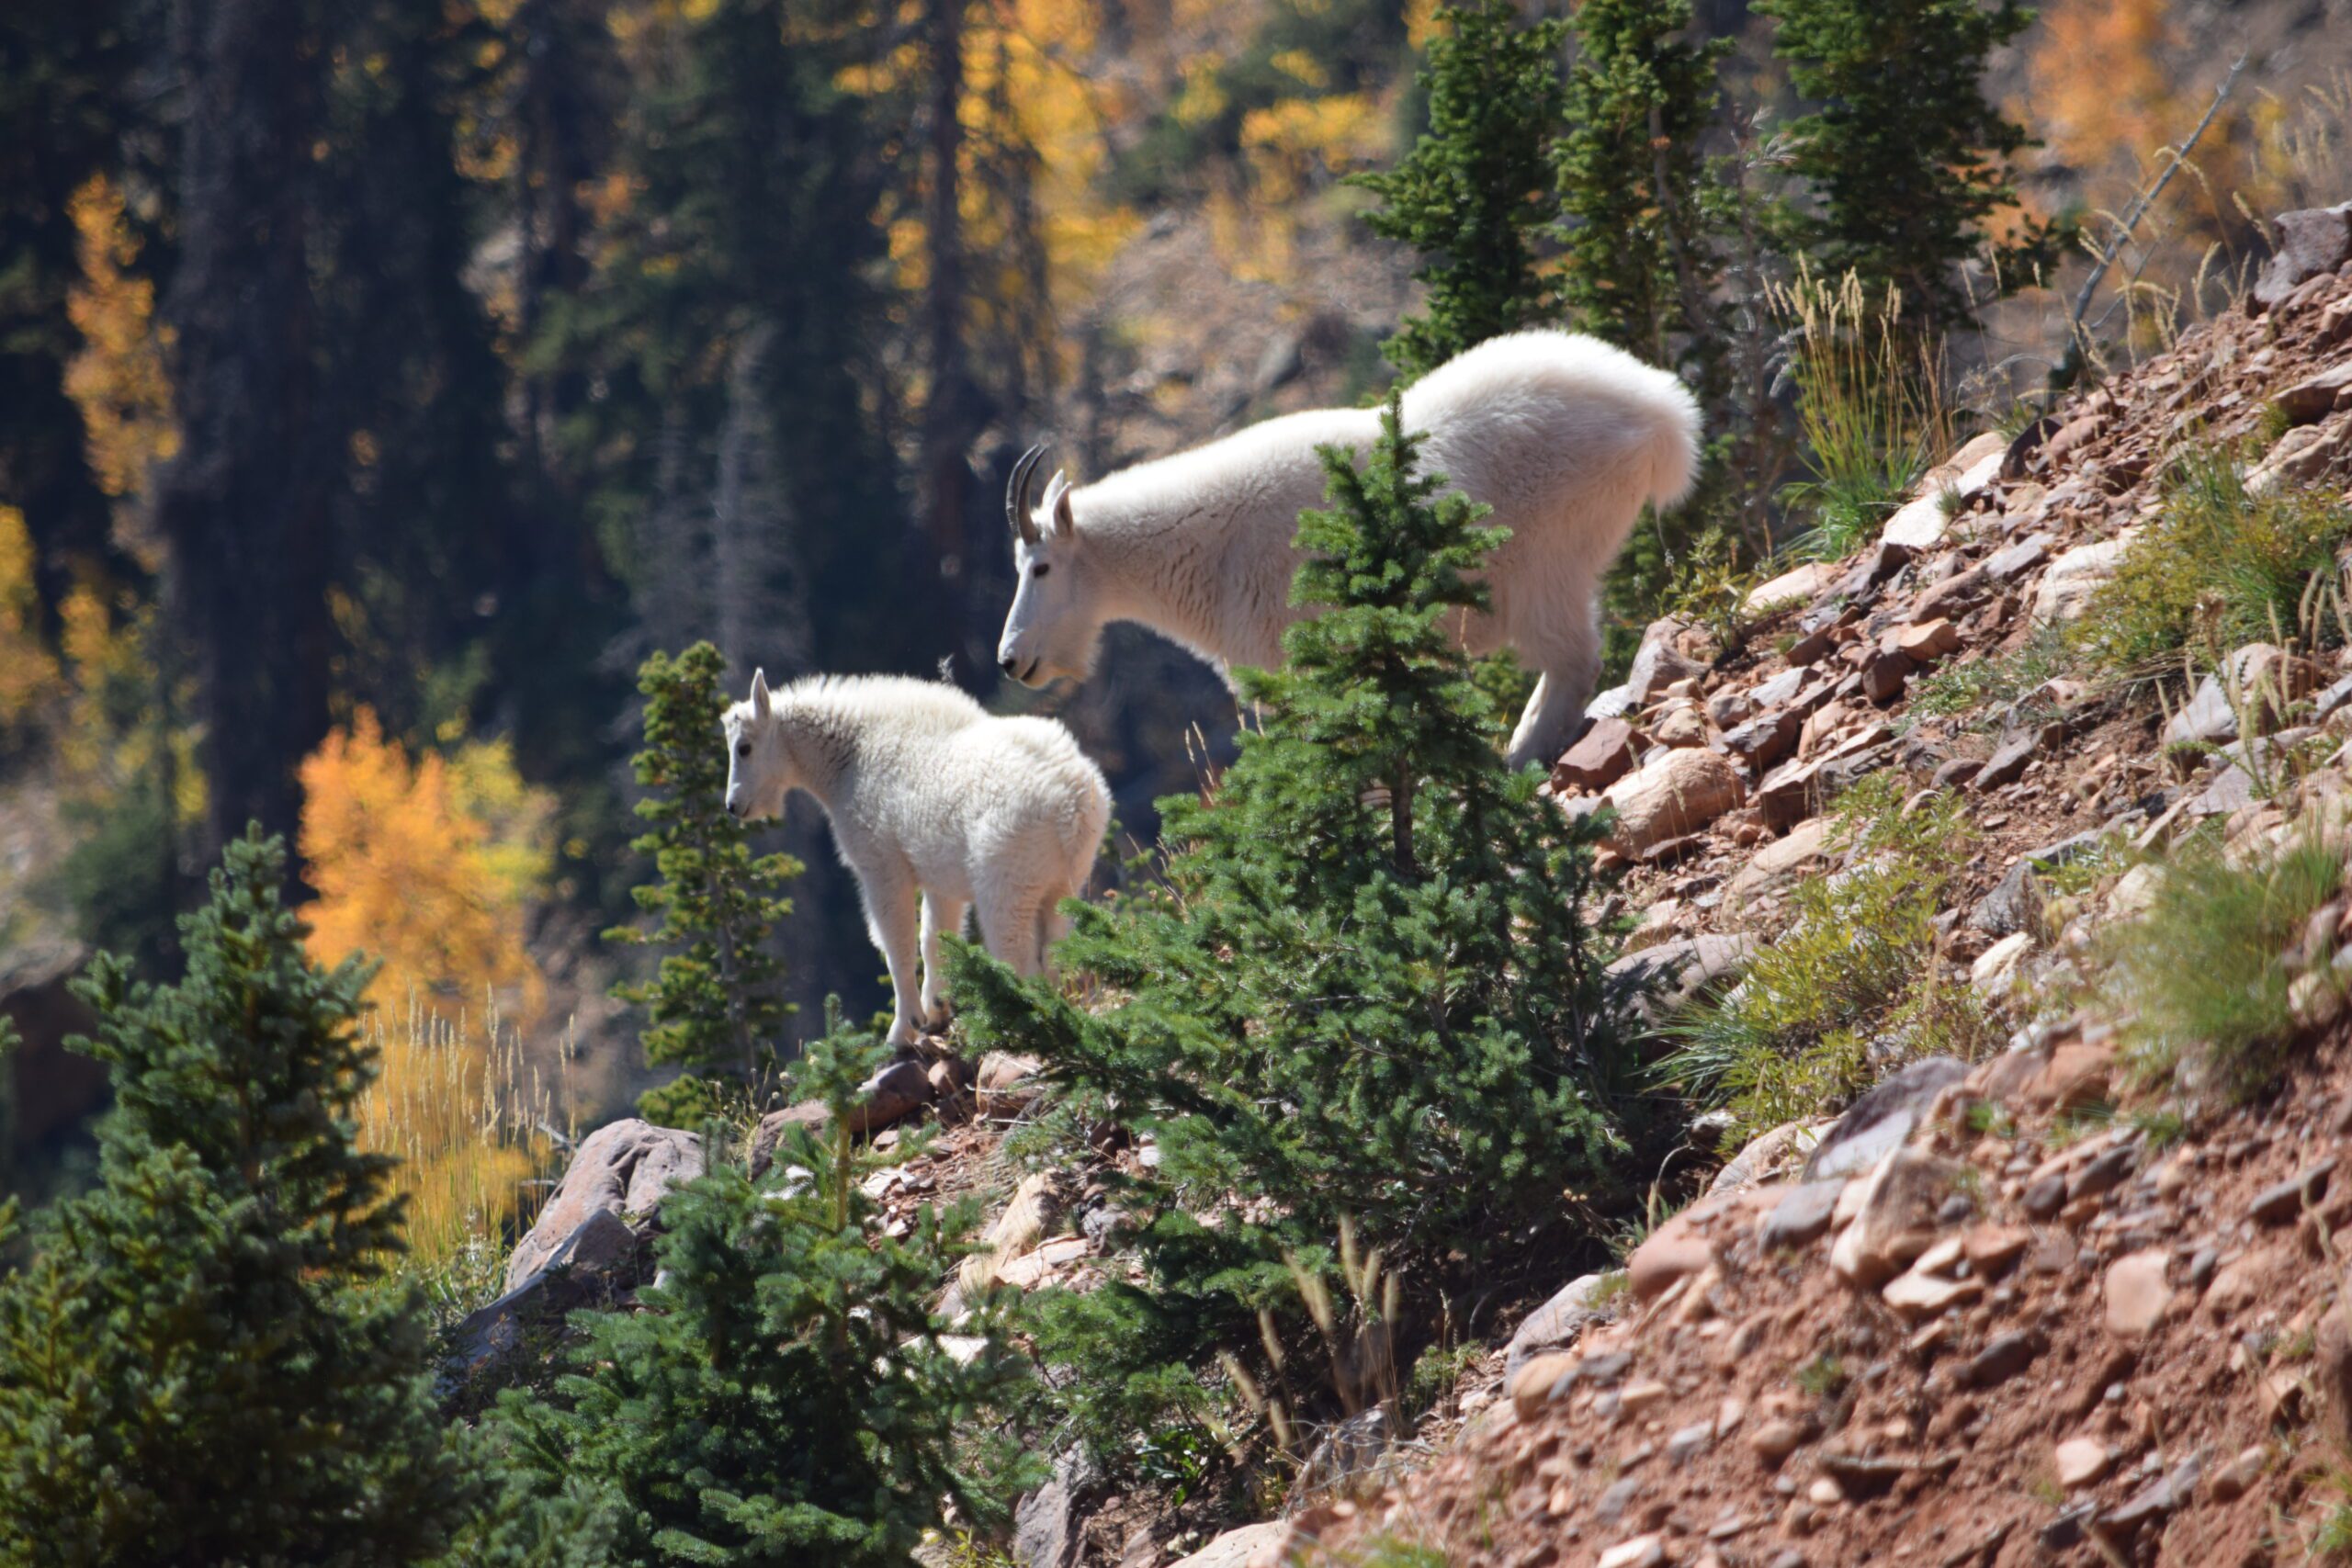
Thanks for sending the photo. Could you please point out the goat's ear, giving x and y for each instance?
(759, 693)
(1057, 503)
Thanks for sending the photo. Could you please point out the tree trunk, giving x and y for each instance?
(244, 509)
(948, 413)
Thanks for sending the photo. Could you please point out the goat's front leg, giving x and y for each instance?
(939, 914)
(889, 897)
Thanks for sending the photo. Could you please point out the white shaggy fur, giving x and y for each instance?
(1564, 436)
(930, 798)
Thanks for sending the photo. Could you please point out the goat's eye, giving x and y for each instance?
(1039, 570)
(742, 748)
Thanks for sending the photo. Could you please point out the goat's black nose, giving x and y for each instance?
(1005, 663)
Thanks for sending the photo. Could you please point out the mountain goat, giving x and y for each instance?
(933, 799)
(1562, 435)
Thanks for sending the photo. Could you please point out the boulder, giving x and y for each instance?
(1006, 1083)
(1243, 1547)
(2071, 579)
(1046, 1530)
(1780, 860)
(1801, 586)
(1660, 980)
(2311, 242)
(622, 1169)
(1556, 1324)
(1919, 525)
(1659, 664)
(1034, 1212)
(589, 1268)
(1883, 1120)
(1802, 1216)
(1894, 1218)
(892, 1094)
(1924, 642)
(1680, 793)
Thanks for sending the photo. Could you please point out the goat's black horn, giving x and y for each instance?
(1016, 493)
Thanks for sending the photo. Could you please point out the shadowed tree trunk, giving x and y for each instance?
(245, 508)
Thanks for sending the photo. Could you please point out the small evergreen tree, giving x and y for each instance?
(715, 1002)
(1907, 157)
(202, 1362)
(1368, 992)
(1636, 192)
(786, 1399)
(1473, 194)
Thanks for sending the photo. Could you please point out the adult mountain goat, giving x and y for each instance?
(931, 799)
(1564, 436)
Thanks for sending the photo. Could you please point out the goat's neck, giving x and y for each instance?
(1158, 569)
(822, 746)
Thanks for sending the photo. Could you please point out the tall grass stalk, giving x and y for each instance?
(1869, 403)
(480, 1138)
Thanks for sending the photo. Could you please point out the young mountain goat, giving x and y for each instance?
(1564, 436)
(929, 797)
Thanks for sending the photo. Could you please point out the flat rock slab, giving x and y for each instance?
(2137, 1295)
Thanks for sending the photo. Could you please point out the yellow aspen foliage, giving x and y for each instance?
(2102, 84)
(118, 380)
(406, 870)
(27, 672)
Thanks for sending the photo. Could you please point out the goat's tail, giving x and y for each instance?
(1086, 843)
(1675, 425)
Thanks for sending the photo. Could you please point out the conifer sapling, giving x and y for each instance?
(785, 1395)
(715, 1002)
(203, 1361)
(1367, 993)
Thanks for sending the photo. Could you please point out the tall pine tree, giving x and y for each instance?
(1474, 195)
(1634, 187)
(202, 1362)
(715, 1002)
(1907, 157)
(1369, 991)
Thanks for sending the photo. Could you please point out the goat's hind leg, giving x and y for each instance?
(1010, 927)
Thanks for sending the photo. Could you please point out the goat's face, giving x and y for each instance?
(1055, 626)
(759, 772)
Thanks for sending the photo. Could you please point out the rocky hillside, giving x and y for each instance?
(2044, 1304)
(2041, 1308)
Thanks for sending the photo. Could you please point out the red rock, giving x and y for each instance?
(1599, 760)
(1666, 1258)
(1924, 642)
(1679, 793)
(1885, 674)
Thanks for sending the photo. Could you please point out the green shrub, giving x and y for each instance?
(1856, 958)
(2200, 976)
(201, 1364)
(2214, 569)
(1869, 405)
(783, 1395)
(1987, 692)
(1366, 992)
